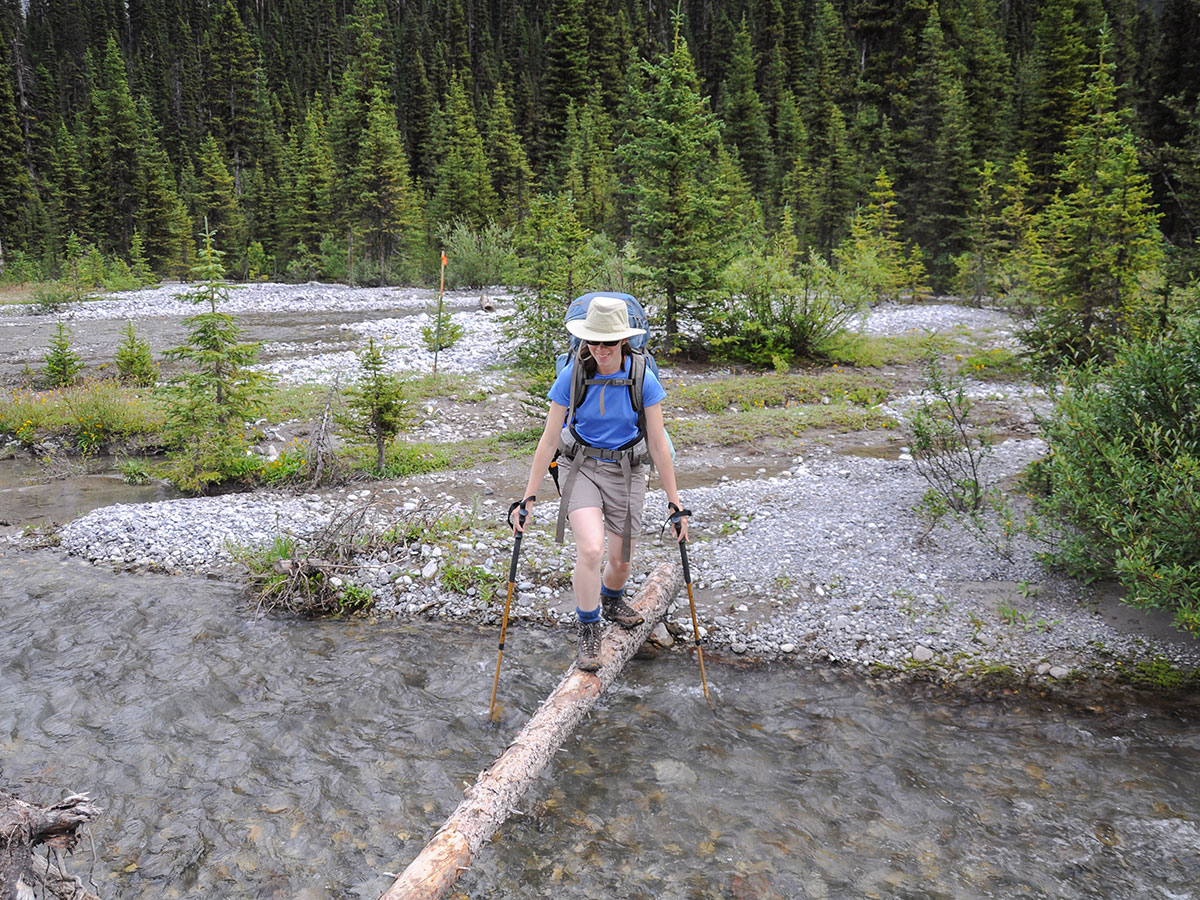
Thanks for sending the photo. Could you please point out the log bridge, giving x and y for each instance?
(495, 793)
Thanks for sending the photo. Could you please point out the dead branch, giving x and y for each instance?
(24, 827)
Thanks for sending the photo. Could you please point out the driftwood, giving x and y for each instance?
(23, 827)
(497, 790)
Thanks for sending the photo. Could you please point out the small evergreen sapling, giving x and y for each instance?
(378, 406)
(63, 364)
(211, 401)
(135, 362)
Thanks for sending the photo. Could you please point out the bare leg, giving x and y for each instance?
(587, 524)
(616, 571)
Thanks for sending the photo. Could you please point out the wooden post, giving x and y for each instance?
(437, 340)
(497, 790)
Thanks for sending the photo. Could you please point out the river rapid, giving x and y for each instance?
(250, 757)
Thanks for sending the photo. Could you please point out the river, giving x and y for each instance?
(250, 757)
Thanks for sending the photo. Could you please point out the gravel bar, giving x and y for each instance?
(821, 559)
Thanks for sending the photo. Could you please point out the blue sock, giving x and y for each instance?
(592, 615)
(606, 591)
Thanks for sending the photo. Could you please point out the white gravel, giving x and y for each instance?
(821, 558)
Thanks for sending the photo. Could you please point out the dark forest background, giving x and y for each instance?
(330, 138)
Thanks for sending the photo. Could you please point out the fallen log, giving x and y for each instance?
(495, 793)
(23, 827)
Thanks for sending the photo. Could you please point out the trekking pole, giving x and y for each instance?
(512, 579)
(677, 515)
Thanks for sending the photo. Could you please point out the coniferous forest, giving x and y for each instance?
(962, 146)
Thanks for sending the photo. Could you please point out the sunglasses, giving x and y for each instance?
(602, 343)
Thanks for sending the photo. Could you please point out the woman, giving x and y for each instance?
(607, 443)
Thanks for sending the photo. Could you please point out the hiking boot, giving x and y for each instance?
(615, 609)
(588, 657)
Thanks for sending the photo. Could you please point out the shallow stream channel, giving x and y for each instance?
(237, 756)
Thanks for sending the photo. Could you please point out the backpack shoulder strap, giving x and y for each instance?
(637, 377)
(578, 385)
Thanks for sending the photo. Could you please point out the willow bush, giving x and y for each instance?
(1124, 474)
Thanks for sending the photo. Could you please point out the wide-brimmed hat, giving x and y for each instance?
(607, 320)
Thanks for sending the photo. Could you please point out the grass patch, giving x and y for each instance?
(459, 388)
(757, 426)
(90, 414)
(997, 364)
(775, 390)
(404, 459)
(871, 351)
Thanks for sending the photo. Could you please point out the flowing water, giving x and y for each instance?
(266, 758)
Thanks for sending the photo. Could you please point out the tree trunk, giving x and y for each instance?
(23, 827)
(497, 790)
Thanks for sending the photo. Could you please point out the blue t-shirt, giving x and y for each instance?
(617, 425)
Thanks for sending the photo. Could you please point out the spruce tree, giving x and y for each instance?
(364, 77)
(229, 91)
(1100, 233)
(211, 402)
(111, 123)
(1063, 44)
(309, 174)
(462, 182)
(874, 256)
(556, 266)
(377, 401)
(214, 200)
(670, 153)
(159, 225)
(588, 174)
(566, 75)
(745, 118)
(512, 175)
(16, 188)
(937, 184)
(387, 207)
(608, 49)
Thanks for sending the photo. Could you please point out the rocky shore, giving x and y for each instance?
(816, 556)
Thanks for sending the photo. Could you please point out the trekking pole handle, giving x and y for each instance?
(522, 515)
(676, 519)
(521, 505)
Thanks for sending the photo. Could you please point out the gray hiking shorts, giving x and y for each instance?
(600, 484)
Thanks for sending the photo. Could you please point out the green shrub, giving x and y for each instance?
(52, 297)
(777, 310)
(477, 259)
(135, 471)
(20, 268)
(1124, 474)
(289, 467)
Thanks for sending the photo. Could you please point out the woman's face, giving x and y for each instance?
(607, 355)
